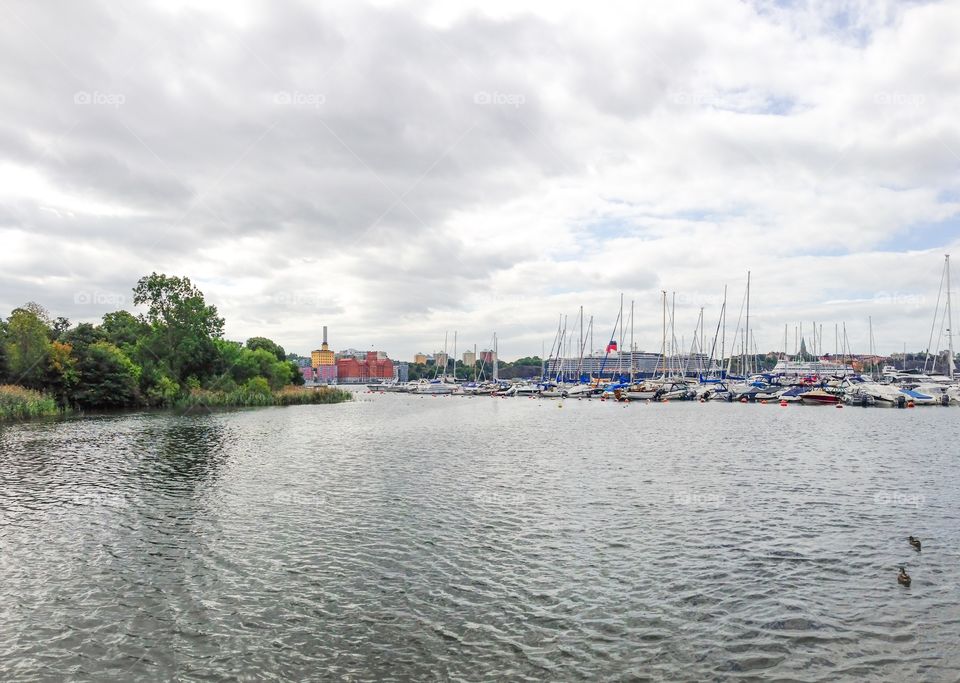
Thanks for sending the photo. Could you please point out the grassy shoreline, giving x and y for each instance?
(244, 398)
(20, 403)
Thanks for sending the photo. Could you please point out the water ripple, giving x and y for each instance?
(395, 538)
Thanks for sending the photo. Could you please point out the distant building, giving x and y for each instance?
(641, 363)
(402, 371)
(325, 374)
(440, 358)
(488, 356)
(469, 358)
(352, 353)
(323, 355)
(363, 369)
(815, 367)
(307, 373)
(420, 359)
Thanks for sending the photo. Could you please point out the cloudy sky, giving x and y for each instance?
(399, 170)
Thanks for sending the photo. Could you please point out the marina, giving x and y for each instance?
(703, 371)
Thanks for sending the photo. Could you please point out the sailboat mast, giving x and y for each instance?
(580, 363)
(949, 320)
(723, 340)
(701, 350)
(747, 335)
(620, 342)
(454, 355)
(496, 360)
(631, 341)
(785, 348)
(673, 332)
(663, 347)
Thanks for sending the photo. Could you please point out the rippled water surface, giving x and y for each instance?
(400, 537)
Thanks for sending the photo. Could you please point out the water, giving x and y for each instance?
(400, 537)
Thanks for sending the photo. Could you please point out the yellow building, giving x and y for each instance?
(323, 355)
(420, 359)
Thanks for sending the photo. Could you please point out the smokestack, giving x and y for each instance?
(324, 334)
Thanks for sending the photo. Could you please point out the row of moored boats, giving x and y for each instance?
(893, 390)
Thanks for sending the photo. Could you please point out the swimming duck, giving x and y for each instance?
(903, 578)
(915, 542)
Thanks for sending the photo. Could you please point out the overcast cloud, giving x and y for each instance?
(398, 170)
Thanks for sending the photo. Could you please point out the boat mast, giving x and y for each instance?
(949, 320)
(496, 360)
(620, 342)
(747, 335)
(590, 332)
(663, 347)
(723, 340)
(631, 341)
(785, 348)
(673, 333)
(701, 350)
(580, 363)
(563, 358)
(454, 355)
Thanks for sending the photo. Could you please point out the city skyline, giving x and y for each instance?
(399, 170)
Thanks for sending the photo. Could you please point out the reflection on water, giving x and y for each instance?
(403, 537)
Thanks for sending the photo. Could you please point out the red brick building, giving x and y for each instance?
(361, 370)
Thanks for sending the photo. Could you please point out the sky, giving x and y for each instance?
(399, 171)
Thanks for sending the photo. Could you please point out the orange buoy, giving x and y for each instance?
(743, 400)
(783, 404)
(910, 404)
(763, 401)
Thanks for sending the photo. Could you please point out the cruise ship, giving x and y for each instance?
(821, 368)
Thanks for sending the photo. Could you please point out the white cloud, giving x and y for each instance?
(395, 170)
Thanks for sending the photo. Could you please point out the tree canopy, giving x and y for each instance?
(174, 347)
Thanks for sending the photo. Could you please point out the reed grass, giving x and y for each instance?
(20, 403)
(244, 398)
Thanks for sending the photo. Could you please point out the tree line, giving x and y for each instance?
(153, 359)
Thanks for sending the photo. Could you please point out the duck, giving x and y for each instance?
(903, 578)
(915, 542)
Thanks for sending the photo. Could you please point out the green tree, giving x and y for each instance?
(296, 377)
(58, 327)
(28, 345)
(257, 385)
(183, 326)
(123, 329)
(4, 361)
(108, 378)
(255, 343)
(81, 336)
(261, 363)
(61, 372)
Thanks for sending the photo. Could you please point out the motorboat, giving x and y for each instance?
(819, 397)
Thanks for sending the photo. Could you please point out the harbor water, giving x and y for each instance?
(400, 537)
